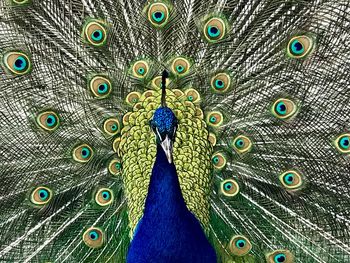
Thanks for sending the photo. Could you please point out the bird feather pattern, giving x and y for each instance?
(260, 90)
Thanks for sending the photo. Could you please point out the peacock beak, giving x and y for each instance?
(167, 146)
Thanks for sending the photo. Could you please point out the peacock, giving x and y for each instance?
(175, 131)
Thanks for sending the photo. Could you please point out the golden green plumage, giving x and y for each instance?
(192, 152)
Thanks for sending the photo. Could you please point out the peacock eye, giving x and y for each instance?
(229, 187)
(299, 46)
(342, 143)
(215, 29)
(95, 33)
(280, 256)
(18, 63)
(41, 195)
(20, 2)
(220, 83)
(100, 86)
(140, 69)
(180, 66)
(192, 95)
(214, 119)
(218, 160)
(240, 245)
(132, 98)
(115, 167)
(48, 120)
(283, 108)
(82, 153)
(242, 144)
(93, 237)
(158, 14)
(104, 197)
(291, 180)
(111, 126)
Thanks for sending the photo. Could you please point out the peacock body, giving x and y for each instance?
(240, 155)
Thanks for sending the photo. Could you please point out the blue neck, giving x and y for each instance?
(168, 232)
(164, 193)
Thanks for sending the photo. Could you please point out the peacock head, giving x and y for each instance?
(164, 124)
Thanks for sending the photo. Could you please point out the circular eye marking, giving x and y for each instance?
(218, 160)
(180, 66)
(82, 153)
(17, 63)
(115, 167)
(229, 187)
(215, 29)
(342, 143)
(214, 119)
(283, 108)
(291, 180)
(140, 69)
(239, 245)
(48, 120)
(93, 237)
(41, 195)
(212, 138)
(299, 46)
(111, 126)
(192, 96)
(95, 33)
(133, 98)
(157, 82)
(158, 14)
(220, 83)
(242, 144)
(20, 2)
(100, 86)
(104, 197)
(280, 256)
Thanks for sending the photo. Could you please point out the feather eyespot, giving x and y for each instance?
(132, 98)
(221, 82)
(104, 197)
(218, 160)
(100, 86)
(229, 188)
(342, 143)
(240, 245)
(157, 82)
(192, 96)
(242, 144)
(214, 119)
(180, 66)
(140, 69)
(48, 120)
(158, 14)
(291, 180)
(17, 63)
(20, 2)
(283, 108)
(299, 46)
(41, 195)
(115, 167)
(82, 153)
(280, 256)
(95, 33)
(93, 237)
(111, 126)
(215, 29)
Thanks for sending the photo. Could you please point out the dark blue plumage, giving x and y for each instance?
(168, 231)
